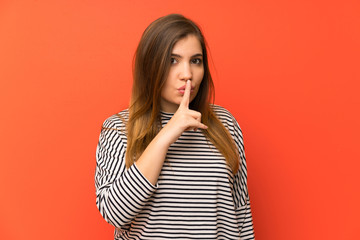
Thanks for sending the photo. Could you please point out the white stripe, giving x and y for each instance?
(196, 197)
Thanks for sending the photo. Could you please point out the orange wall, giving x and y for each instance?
(288, 70)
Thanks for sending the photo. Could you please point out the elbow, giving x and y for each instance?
(110, 212)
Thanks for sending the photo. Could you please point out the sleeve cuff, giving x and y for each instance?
(144, 180)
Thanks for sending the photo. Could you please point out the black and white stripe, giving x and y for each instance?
(196, 196)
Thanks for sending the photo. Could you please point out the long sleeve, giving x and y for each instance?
(120, 193)
(240, 190)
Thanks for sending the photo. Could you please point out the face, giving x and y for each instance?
(186, 64)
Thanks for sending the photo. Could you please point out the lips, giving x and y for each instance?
(183, 88)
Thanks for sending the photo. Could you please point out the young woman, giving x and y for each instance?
(172, 166)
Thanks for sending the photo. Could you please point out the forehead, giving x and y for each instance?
(188, 45)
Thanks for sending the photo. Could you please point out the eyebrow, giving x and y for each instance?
(179, 56)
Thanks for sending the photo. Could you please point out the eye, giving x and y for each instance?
(197, 61)
(173, 60)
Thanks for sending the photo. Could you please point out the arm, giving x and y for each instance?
(183, 119)
(240, 190)
(121, 193)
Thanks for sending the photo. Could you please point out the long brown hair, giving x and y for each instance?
(150, 70)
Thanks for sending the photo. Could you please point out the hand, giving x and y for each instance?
(184, 118)
(151, 160)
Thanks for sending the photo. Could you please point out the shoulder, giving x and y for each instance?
(223, 114)
(227, 119)
(117, 121)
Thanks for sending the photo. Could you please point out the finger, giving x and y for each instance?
(197, 128)
(196, 125)
(186, 98)
(195, 114)
(202, 126)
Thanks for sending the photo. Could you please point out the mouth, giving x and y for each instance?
(183, 88)
(183, 91)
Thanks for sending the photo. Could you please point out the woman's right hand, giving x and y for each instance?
(152, 159)
(184, 119)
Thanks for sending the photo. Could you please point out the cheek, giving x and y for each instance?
(199, 76)
(198, 73)
(167, 85)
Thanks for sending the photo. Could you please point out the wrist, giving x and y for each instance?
(165, 137)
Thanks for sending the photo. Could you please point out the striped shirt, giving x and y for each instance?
(196, 196)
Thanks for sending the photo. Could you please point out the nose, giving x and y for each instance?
(186, 72)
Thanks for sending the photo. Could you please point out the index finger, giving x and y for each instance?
(186, 98)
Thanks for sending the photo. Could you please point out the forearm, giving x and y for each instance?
(121, 193)
(152, 159)
(120, 201)
(117, 201)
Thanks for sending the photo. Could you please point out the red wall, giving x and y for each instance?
(288, 70)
